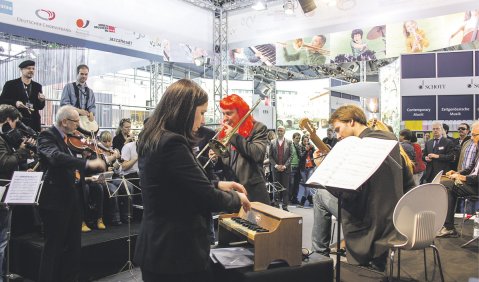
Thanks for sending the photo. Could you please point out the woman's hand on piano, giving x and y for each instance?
(244, 202)
(231, 185)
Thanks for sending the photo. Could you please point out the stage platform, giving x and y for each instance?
(104, 252)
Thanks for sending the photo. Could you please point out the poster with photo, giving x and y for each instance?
(308, 51)
(359, 44)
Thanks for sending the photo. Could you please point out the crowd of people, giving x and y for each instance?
(166, 162)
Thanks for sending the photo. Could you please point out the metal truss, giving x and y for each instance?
(226, 5)
(156, 82)
(220, 59)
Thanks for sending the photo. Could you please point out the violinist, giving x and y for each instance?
(123, 134)
(60, 200)
(10, 159)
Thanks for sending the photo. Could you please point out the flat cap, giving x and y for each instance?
(26, 63)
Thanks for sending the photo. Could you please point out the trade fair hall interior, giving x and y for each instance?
(239, 140)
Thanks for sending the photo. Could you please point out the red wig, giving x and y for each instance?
(235, 102)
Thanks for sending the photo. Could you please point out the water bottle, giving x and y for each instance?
(476, 226)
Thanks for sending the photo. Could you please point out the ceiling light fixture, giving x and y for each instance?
(289, 6)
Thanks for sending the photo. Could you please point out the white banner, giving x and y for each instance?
(439, 86)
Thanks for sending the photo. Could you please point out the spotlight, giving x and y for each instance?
(259, 5)
(289, 7)
(201, 61)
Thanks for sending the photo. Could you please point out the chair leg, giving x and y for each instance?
(399, 264)
(425, 265)
(391, 265)
(464, 210)
(436, 252)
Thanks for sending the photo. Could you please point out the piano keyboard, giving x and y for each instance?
(267, 50)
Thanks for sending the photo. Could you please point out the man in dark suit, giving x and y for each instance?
(26, 95)
(246, 149)
(438, 153)
(280, 160)
(60, 200)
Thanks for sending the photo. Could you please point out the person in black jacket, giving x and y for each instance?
(60, 200)
(26, 95)
(173, 242)
(9, 162)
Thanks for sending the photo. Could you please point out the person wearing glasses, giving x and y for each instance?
(123, 134)
(467, 148)
(438, 153)
(61, 198)
(460, 184)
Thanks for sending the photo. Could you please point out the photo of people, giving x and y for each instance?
(359, 44)
(469, 30)
(311, 51)
(416, 39)
(255, 55)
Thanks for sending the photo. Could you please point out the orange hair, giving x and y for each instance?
(235, 102)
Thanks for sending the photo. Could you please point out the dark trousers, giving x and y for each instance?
(61, 254)
(149, 276)
(283, 179)
(454, 191)
(294, 184)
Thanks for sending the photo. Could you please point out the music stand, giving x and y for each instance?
(125, 183)
(24, 189)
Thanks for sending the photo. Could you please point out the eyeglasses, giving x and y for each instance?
(74, 120)
(461, 128)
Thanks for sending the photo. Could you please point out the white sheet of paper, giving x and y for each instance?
(2, 191)
(23, 187)
(351, 162)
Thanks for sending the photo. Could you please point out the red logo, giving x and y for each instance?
(82, 23)
(45, 15)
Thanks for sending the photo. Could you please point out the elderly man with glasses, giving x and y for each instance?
(460, 184)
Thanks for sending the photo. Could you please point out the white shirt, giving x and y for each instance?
(128, 152)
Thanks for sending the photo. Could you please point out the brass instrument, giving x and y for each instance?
(305, 124)
(219, 146)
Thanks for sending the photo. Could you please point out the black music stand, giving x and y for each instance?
(125, 183)
(338, 235)
(17, 201)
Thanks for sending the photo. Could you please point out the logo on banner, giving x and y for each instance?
(121, 41)
(6, 7)
(138, 35)
(82, 23)
(472, 84)
(431, 86)
(106, 28)
(45, 15)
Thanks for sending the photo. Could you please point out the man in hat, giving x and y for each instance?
(26, 95)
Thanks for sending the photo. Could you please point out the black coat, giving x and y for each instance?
(445, 150)
(174, 235)
(10, 160)
(58, 191)
(14, 91)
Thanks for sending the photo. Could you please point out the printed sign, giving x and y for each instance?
(419, 108)
(455, 107)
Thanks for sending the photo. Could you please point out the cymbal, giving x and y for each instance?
(376, 32)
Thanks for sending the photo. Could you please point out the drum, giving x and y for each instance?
(87, 127)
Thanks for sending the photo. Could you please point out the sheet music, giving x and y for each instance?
(351, 162)
(23, 187)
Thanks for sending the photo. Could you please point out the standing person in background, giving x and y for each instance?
(79, 95)
(405, 137)
(330, 139)
(173, 243)
(306, 168)
(26, 95)
(466, 153)
(123, 134)
(419, 165)
(280, 160)
(438, 153)
(295, 174)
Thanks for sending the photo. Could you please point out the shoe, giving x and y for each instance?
(84, 227)
(445, 233)
(285, 209)
(100, 225)
(376, 266)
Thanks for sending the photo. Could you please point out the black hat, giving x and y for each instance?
(26, 63)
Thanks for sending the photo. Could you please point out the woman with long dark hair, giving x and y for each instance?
(173, 243)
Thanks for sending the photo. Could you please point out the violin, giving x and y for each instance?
(78, 143)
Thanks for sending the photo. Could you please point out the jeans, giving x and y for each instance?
(305, 175)
(325, 205)
(5, 220)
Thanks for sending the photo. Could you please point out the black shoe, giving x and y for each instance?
(285, 209)
(377, 266)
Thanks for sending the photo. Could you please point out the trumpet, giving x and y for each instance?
(219, 147)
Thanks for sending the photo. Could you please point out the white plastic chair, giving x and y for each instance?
(418, 216)
(437, 178)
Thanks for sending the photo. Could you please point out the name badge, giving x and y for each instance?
(441, 148)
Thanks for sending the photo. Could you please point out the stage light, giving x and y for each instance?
(288, 7)
(259, 5)
(199, 61)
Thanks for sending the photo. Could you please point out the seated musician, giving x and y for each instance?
(247, 147)
(10, 159)
(123, 134)
(79, 95)
(367, 212)
(117, 215)
(93, 193)
(173, 242)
